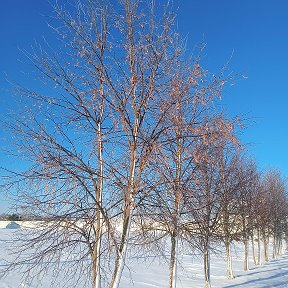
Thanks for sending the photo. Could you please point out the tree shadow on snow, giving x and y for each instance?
(263, 280)
(252, 272)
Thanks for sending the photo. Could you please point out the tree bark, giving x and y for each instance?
(121, 255)
(173, 262)
(274, 254)
(178, 197)
(228, 260)
(253, 249)
(246, 255)
(265, 244)
(96, 277)
(206, 266)
(258, 248)
(128, 212)
(279, 252)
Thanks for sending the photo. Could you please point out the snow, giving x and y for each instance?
(23, 224)
(13, 225)
(149, 272)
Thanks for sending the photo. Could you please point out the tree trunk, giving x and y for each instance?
(228, 260)
(279, 246)
(178, 196)
(253, 249)
(274, 254)
(259, 248)
(266, 258)
(206, 266)
(128, 211)
(121, 255)
(96, 277)
(246, 255)
(173, 262)
(128, 207)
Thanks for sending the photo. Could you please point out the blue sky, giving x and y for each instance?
(254, 33)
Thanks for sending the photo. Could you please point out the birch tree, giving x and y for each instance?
(117, 100)
(276, 193)
(90, 132)
(207, 187)
(193, 92)
(247, 174)
(206, 208)
(193, 100)
(227, 226)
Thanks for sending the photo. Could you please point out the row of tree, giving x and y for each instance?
(129, 147)
(226, 200)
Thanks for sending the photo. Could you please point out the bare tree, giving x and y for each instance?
(247, 174)
(276, 193)
(124, 131)
(205, 206)
(228, 223)
(207, 187)
(186, 123)
(89, 139)
(194, 92)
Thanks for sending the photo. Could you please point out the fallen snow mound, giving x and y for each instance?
(13, 225)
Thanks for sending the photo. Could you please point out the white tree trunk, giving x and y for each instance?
(119, 269)
(228, 260)
(174, 235)
(128, 211)
(258, 248)
(274, 254)
(265, 244)
(253, 249)
(121, 257)
(246, 255)
(207, 267)
(173, 262)
(279, 248)
(96, 277)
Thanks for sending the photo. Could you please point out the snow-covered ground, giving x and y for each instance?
(148, 272)
(272, 274)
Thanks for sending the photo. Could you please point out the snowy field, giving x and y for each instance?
(148, 273)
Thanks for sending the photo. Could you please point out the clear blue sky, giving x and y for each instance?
(254, 31)
(257, 32)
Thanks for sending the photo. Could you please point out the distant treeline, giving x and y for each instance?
(17, 217)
